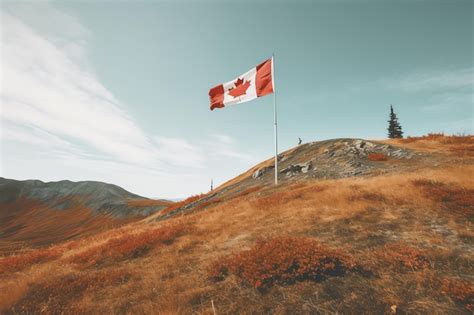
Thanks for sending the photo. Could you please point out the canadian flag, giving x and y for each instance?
(254, 83)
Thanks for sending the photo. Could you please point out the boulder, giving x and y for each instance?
(259, 173)
(297, 168)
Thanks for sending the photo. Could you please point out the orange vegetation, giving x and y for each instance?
(441, 137)
(377, 157)
(457, 145)
(129, 245)
(35, 224)
(286, 194)
(401, 255)
(461, 291)
(62, 291)
(398, 239)
(23, 260)
(451, 197)
(148, 203)
(283, 261)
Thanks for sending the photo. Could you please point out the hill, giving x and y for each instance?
(386, 228)
(330, 159)
(33, 212)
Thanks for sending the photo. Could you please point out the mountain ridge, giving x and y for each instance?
(34, 212)
(395, 238)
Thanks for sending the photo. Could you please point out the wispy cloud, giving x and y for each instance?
(442, 102)
(223, 146)
(440, 92)
(54, 106)
(47, 90)
(432, 80)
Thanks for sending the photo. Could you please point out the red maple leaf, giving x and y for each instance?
(240, 88)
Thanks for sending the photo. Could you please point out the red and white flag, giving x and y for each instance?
(254, 83)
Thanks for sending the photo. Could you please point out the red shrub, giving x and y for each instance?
(402, 256)
(460, 291)
(282, 261)
(57, 295)
(24, 260)
(453, 198)
(129, 245)
(377, 157)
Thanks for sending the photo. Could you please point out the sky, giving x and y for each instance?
(118, 91)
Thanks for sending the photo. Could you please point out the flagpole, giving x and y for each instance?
(275, 119)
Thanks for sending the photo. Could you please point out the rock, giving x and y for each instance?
(297, 168)
(359, 144)
(259, 173)
(306, 167)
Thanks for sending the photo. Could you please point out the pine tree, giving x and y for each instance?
(394, 128)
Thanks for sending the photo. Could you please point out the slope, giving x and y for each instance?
(36, 213)
(390, 240)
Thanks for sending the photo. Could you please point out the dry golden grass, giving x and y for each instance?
(24, 260)
(36, 225)
(459, 146)
(148, 203)
(402, 256)
(180, 204)
(61, 292)
(461, 291)
(129, 245)
(410, 233)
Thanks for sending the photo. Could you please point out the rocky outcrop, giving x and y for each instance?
(361, 148)
(337, 158)
(297, 168)
(261, 171)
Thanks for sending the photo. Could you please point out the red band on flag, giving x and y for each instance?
(256, 82)
(264, 80)
(216, 95)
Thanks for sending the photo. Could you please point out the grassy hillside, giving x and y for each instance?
(34, 213)
(394, 239)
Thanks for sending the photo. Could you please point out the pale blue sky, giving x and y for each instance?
(117, 91)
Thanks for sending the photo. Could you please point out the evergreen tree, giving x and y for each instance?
(394, 128)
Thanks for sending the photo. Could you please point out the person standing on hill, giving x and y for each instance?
(299, 140)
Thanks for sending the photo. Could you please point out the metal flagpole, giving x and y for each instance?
(275, 119)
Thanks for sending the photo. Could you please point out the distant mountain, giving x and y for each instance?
(353, 226)
(101, 197)
(39, 212)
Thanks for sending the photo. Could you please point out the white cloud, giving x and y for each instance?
(224, 147)
(441, 103)
(222, 138)
(58, 121)
(432, 80)
(47, 90)
(449, 91)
